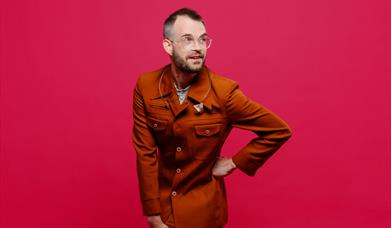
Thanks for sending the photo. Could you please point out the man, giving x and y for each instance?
(182, 114)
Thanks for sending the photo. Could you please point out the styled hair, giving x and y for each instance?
(169, 22)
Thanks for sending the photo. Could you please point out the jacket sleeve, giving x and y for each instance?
(272, 132)
(146, 151)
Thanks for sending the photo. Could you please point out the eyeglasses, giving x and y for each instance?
(187, 41)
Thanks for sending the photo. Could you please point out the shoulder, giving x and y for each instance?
(223, 85)
(148, 78)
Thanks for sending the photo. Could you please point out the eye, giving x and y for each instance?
(187, 38)
(203, 39)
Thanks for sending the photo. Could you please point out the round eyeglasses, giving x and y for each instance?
(187, 41)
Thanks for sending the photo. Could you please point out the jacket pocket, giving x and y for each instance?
(207, 140)
(156, 124)
(159, 129)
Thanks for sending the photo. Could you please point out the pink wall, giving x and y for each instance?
(67, 74)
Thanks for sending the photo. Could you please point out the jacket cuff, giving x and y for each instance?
(243, 164)
(151, 207)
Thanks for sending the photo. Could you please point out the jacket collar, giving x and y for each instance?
(198, 91)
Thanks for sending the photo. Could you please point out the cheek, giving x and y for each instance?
(181, 54)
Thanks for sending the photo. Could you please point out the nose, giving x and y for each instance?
(196, 45)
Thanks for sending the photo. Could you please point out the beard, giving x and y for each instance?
(185, 66)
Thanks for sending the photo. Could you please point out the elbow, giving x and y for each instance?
(288, 132)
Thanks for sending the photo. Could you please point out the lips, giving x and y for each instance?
(195, 57)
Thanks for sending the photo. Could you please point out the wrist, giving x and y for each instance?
(153, 218)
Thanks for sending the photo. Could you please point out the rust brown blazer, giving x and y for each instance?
(177, 146)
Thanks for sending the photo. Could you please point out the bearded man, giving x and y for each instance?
(183, 113)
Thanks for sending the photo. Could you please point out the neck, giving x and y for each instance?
(182, 79)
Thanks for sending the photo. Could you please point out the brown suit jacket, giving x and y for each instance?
(177, 146)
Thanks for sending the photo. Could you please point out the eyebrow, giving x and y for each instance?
(188, 34)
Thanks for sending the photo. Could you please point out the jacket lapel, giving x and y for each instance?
(199, 93)
(201, 89)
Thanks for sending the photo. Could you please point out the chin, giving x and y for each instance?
(196, 67)
(191, 68)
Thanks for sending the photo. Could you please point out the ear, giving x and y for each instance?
(167, 45)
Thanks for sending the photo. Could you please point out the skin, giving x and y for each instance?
(183, 66)
(184, 69)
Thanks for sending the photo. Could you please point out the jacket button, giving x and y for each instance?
(173, 193)
(179, 149)
(155, 125)
(206, 131)
(178, 170)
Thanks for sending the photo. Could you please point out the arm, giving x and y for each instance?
(272, 131)
(147, 165)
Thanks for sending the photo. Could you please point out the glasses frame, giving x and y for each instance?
(182, 41)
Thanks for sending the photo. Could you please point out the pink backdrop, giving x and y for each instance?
(68, 68)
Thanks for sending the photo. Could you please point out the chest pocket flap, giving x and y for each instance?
(207, 129)
(157, 124)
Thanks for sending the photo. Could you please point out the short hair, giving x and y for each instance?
(169, 22)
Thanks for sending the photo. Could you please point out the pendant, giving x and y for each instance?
(199, 107)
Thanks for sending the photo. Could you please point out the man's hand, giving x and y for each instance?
(155, 221)
(223, 167)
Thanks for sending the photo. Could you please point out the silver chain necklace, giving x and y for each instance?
(199, 107)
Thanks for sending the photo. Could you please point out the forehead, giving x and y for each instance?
(185, 25)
